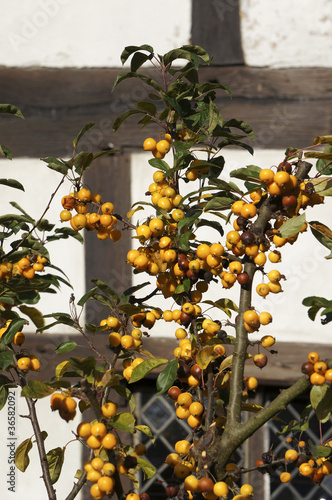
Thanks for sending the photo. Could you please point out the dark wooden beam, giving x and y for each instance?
(216, 27)
(106, 260)
(282, 369)
(284, 107)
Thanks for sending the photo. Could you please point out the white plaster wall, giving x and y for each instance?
(286, 34)
(39, 183)
(303, 264)
(65, 33)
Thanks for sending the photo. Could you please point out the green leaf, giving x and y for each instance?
(34, 314)
(138, 60)
(288, 428)
(5, 384)
(190, 219)
(83, 366)
(160, 164)
(22, 459)
(132, 289)
(107, 290)
(10, 109)
(323, 185)
(148, 469)
(315, 304)
(318, 451)
(124, 422)
(166, 378)
(184, 240)
(321, 164)
(64, 233)
(86, 296)
(241, 125)
(15, 326)
(323, 234)
(249, 173)
(66, 347)
(118, 121)
(55, 460)
(14, 218)
(213, 224)
(146, 367)
(131, 49)
(82, 162)
(55, 164)
(6, 152)
(218, 203)
(146, 430)
(149, 81)
(127, 394)
(183, 287)
(12, 183)
(224, 305)
(321, 400)
(147, 107)
(36, 389)
(226, 186)
(6, 359)
(292, 226)
(180, 53)
(82, 132)
(130, 309)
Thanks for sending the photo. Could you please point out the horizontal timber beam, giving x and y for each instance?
(284, 106)
(282, 369)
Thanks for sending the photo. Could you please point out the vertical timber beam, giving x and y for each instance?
(216, 28)
(106, 260)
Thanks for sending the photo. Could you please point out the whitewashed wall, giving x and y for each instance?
(39, 183)
(78, 33)
(286, 34)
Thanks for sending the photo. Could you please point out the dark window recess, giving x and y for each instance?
(158, 413)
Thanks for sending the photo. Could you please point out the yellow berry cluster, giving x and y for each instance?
(100, 472)
(27, 363)
(317, 370)
(158, 148)
(97, 435)
(26, 266)
(163, 194)
(118, 337)
(184, 467)
(100, 219)
(65, 405)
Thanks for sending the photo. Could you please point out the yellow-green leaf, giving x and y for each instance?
(148, 469)
(251, 407)
(36, 389)
(146, 367)
(292, 226)
(61, 369)
(322, 139)
(204, 356)
(124, 422)
(146, 430)
(34, 314)
(22, 459)
(55, 461)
